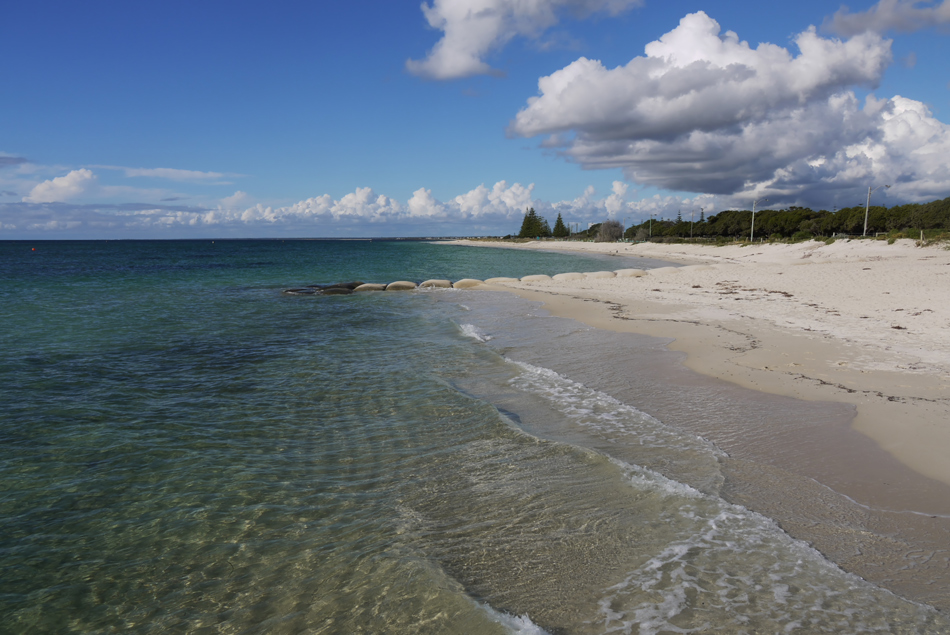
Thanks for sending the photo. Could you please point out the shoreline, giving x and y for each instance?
(745, 324)
(798, 321)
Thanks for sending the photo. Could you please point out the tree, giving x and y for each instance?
(560, 230)
(610, 231)
(533, 226)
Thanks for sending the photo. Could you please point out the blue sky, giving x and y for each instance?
(371, 118)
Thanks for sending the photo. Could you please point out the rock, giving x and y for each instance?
(600, 274)
(501, 280)
(336, 291)
(568, 276)
(401, 285)
(630, 273)
(301, 291)
(336, 285)
(538, 278)
(371, 287)
(467, 283)
(436, 284)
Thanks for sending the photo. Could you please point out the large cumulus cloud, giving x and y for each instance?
(473, 28)
(705, 112)
(64, 188)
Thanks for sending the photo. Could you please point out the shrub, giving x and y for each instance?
(610, 231)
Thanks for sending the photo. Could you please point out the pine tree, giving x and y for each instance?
(702, 216)
(545, 228)
(534, 226)
(527, 225)
(560, 230)
(679, 216)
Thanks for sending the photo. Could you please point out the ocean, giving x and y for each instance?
(186, 448)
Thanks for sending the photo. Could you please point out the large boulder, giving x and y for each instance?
(401, 285)
(436, 284)
(467, 283)
(336, 291)
(563, 277)
(371, 287)
(537, 278)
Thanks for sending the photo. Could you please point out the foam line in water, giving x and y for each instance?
(597, 410)
(470, 330)
(516, 625)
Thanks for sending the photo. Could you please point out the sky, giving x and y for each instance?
(451, 117)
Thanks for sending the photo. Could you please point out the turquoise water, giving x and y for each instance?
(183, 448)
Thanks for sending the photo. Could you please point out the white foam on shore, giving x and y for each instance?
(597, 410)
(725, 567)
(694, 584)
(516, 624)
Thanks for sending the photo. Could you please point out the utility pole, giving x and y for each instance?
(752, 232)
(867, 206)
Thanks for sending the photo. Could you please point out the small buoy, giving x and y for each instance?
(34, 249)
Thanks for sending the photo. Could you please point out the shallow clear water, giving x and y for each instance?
(183, 448)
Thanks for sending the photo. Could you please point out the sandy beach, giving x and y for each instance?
(862, 323)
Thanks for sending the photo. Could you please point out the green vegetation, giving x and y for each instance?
(560, 229)
(534, 226)
(799, 223)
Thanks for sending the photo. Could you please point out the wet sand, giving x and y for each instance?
(818, 323)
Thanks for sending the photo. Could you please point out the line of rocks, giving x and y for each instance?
(345, 288)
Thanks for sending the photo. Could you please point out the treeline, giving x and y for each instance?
(797, 223)
(800, 222)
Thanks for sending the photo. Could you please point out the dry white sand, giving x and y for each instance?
(859, 321)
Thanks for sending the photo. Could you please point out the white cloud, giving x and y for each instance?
(172, 174)
(473, 28)
(500, 200)
(63, 188)
(235, 201)
(693, 79)
(888, 15)
(616, 201)
(702, 112)
(423, 205)
(364, 204)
